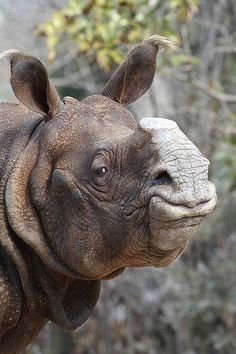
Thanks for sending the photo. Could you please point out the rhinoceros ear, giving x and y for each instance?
(31, 84)
(134, 77)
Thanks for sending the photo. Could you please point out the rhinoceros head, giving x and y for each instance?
(96, 191)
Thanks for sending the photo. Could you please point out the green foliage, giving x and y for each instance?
(103, 29)
(181, 59)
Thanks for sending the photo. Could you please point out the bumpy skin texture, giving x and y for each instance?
(85, 192)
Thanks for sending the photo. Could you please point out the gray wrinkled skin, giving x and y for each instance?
(86, 192)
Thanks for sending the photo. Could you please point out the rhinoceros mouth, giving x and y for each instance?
(172, 225)
(179, 223)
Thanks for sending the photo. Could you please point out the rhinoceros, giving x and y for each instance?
(86, 191)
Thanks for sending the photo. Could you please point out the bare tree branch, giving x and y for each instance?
(221, 96)
(223, 49)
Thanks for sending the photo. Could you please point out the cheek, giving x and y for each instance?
(91, 240)
(75, 237)
(97, 242)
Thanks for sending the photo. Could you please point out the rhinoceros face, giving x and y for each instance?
(114, 194)
(111, 193)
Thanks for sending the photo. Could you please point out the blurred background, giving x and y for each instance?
(190, 306)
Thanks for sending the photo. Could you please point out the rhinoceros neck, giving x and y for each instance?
(16, 127)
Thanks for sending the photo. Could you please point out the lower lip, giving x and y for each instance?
(178, 224)
(168, 238)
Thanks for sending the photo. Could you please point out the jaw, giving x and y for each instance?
(147, 256)
(155, 259)
(150, 256)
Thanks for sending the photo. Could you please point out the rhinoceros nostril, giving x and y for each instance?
(163, 178)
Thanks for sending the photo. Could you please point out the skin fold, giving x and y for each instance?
(86, 191)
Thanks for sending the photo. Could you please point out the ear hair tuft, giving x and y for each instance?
(10, 53)
(159, 41)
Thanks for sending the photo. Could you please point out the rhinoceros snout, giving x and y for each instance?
(179, 172)
(181, 195)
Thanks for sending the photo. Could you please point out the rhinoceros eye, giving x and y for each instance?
(100, 168)
(100, 171)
